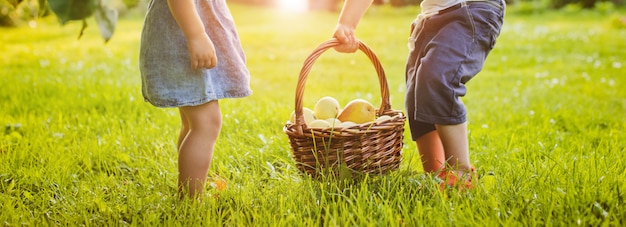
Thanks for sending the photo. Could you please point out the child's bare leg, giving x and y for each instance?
(184, 129)
(196, 149)
(456, 146)
(431, 151)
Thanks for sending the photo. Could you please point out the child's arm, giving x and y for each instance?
(349, 18)
(201, 49)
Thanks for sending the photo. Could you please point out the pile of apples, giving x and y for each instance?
(327, 113)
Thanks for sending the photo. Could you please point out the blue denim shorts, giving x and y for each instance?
(447, 50)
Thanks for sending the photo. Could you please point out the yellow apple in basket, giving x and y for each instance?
(333, 122)
(347, 124)
(306, 112)
(319, 123)
(358, 111)
(383, 118)
(326, 107)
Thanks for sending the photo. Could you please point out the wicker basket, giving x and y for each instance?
(364, 148)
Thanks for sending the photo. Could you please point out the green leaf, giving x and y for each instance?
(344, 171)
(67, 10)
(43, 7)
(13, 2)
(131, 3)
(106, 18)
(82, 29)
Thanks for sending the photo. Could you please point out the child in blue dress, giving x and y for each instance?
(190, 57)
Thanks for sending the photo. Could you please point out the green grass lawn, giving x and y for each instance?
(80, 146)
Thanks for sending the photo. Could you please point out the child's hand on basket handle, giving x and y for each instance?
(349, 18)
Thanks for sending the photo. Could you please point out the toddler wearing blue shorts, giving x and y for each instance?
(448, 45)
(447, 48)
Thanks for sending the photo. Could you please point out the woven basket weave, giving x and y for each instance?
(373, 147)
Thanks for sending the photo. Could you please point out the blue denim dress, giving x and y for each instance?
(167, 77)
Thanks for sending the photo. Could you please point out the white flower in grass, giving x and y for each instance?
(617, 65)
(262, 138)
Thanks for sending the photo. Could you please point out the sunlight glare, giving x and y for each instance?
(296, 6)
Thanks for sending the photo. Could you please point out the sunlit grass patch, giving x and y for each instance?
(79, 146)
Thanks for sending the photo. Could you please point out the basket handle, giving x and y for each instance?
(308, 63)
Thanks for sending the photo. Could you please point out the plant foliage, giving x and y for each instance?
(69, 10)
